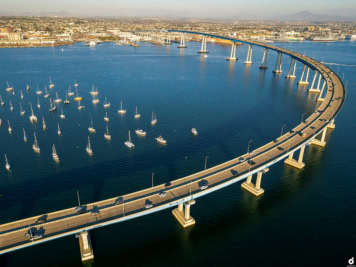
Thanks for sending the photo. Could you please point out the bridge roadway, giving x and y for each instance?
(67, 222)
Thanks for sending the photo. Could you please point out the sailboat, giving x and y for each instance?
(2, 102)
(21, 94)
(9, 88)
(51, 84)
(106, 118)
(140, 132)
(59, 131)
(94, 91)
(95, 100)
(22, 112)
(154, 119)
(62, 115)
(35, 145)
(70, 93)
(137, 116)
(161, 140)
(77, 97)
(44, 127)
(194, 132)
(33, 118)
(13, 92)
(7, 165)
(57, 100)
(80, 107)
(46, 93)
(38, 103)
(66, 102)
(128, 143)
(107, 135)
(27, 87)
(54, 154)
(9, 128)
(106, 103)
(75, 84)
(88, 148)
(121, 111)
(52, 106)
(24, 135)
(11, 107)
(91, 129)
(0, 122)
(38, 91)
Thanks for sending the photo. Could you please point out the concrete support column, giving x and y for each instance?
(86, 250)
(301, 154)
(187, 210)
(320, 98)
(290, 68)
(180, 207)
(312, 89)
(258, 180)
(331, 125)
(291, 155)
(254, 189)
(323, 135)
(295, 65)
(203, 46)
(280, 64)
(307, 78)
(182, 42)
(302, 76)
(233, 52)
(183, 216)
(277, 68)
(249, 55)
(264, 59)
(297, 164)
(320, 142)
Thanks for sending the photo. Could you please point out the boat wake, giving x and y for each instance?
(337, 64)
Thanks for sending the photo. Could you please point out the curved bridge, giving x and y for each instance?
(184, 191)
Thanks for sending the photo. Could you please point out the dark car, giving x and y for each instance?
(80, 209)
(119, 200)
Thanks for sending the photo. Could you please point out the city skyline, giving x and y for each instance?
(255, 9)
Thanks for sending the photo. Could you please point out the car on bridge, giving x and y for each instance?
(80, 209)
(162, 193)
(203, 184)
(148, 204)
(241, 159)
(119, 200)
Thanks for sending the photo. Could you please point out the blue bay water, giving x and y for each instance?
(305, 217)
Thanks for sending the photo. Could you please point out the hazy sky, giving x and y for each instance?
(182, 8)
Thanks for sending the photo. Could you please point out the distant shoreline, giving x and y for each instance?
(37, 45)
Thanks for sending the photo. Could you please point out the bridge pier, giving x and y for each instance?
(289, 75)
(182, 42)
(183, 216)
(304, 82)
(86, 250)
(320, 142)
(168, 40)
(254, 189)
(278, 67)
(331, 125)
(249, 55)
(320, 98)
(317, 89)
(264, 59)
(203, 46)
(233, 52)
(297, 164)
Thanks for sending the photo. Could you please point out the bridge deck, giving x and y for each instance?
(67, 222)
